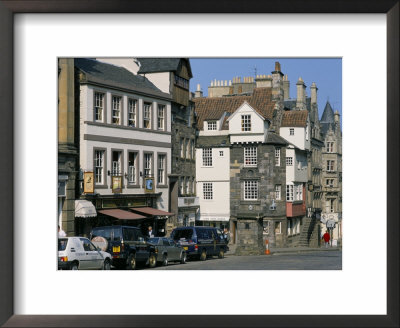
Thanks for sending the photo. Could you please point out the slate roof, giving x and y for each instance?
(325, 127)
(273, 138)
(294, 118)
(214, 108)
(328, 115)
(153, 65)
(110, 75)
(212, 141)
(291, 103)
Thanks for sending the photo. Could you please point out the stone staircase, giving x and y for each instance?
(309, 236)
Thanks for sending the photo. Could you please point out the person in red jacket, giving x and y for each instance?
(326, 238)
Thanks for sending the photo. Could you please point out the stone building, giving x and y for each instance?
(332, 171)
(242, 124)
(125, 145)
(172, 76)
(68, 119)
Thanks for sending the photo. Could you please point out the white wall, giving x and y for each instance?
(218, 208)
(257, 133)
(295, 173)
(127, 63)
(298, 139)
(160, 80)
(219, 169)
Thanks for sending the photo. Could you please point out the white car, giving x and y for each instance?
(78, 253)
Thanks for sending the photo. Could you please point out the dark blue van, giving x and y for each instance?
(201, 242)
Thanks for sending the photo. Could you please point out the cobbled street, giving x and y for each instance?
(317, 260)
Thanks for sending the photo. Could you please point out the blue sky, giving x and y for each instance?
(325, 72)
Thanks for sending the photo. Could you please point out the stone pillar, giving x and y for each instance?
(249, 237)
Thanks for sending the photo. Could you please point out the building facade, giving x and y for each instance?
(68, 118)
(332, 173)
(125, 146)
(172, 76)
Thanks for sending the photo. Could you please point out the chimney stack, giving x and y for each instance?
(314, 90)
(301, 94)
(198, 93)
(277, 89)
(286, 88)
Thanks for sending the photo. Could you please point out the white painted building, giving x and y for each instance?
(125, 137)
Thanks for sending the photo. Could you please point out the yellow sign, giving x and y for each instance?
(88, 182)
(116, 182)
(149, 185)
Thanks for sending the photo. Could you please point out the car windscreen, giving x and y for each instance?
(153, 241)
(101, 232)
(182, 234)
(62, 244)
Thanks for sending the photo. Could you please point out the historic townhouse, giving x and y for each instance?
(125, 145)
(332, 171)
(172, 76)
(256, 168)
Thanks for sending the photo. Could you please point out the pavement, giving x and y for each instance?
(291, 250)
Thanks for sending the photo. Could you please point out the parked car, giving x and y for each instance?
(78, 253)
(167, 250)
(126, 244)
(201, 242)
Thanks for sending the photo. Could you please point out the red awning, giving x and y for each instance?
(122, 215)
(151, 211)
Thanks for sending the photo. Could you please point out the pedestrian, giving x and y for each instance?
(227, 235)
(61, 233)
(326, 238)
(150, 233)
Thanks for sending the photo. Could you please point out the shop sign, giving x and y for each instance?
(116, 182)
(88, 182)
(149, 185)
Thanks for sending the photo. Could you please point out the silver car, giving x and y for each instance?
(167, 250)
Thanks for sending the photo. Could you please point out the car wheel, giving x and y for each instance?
(165, 260)
(203, 255)
(152, 261)
(221, 254)
(74, 266)
(183, 258)
(107, 265)
(131, 262)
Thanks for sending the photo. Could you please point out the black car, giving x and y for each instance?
(127, 246)
(201, 242)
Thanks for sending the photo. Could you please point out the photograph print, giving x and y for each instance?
(199, 163)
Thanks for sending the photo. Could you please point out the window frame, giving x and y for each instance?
(119, 110)
(145, 154)
(135, 166)
(291, 131)
(161, 119)
(102, 108)
(248, 193)
(164, 169)
(289, 193)
(211, 125)
(103, 166)
(208, 191)
(207, 157)
(245, 122)
(250, 154)
(149, 106)
(278, 192)
(134, 101)
(277, 156)
(289, 161)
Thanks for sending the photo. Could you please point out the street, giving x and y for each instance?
(316, 260)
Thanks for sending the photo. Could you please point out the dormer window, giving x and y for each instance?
(212, 125)
(246, 122)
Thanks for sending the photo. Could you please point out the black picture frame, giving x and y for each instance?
(10, 7)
